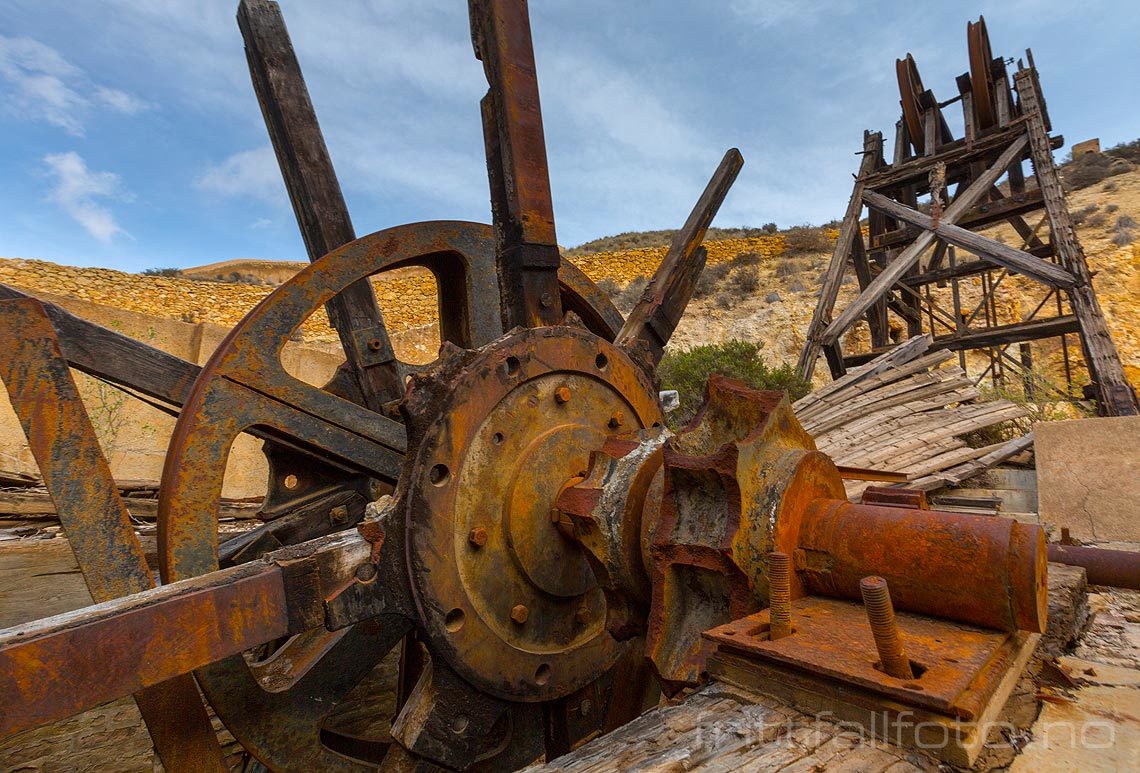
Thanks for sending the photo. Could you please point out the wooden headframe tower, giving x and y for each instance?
(967, 184)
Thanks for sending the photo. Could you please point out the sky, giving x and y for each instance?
(131, 137)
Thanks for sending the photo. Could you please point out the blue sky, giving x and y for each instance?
(132, 139)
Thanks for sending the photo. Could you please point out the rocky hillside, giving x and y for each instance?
(759, 285)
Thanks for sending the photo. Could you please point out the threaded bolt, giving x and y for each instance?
(562, 395)
(881, 615)
(519, 613)
(780, 594)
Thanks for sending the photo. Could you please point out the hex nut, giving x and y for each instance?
(562, 395)
(519, 613)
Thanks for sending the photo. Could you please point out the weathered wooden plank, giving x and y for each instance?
(990, 249)
(903, 353)
(655, 317)
(315, 194)
(1115, 395)
(910, 256)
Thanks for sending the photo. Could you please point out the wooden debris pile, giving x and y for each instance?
(906, 411)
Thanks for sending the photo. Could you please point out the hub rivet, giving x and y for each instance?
(519, 613)
(780, 595)
(881, 615)
(562, 395)
(477, 537)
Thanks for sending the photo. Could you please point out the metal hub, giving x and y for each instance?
(503, 595)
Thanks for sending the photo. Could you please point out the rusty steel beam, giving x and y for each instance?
(527, 246)
(97, 525)
(652, 321)
(1118, 568)
(58, 666)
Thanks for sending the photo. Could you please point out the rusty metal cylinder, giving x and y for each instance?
(1118, 568)
(884, 629)
(987, 571)
(779, 595)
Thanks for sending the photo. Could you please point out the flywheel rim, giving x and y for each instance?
(230, 685)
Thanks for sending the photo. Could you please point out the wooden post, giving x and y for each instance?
(1115, 395)
(316, 196)
(834, 277)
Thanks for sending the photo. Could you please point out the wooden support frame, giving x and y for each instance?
(993, 187)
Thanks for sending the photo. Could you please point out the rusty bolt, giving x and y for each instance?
(477, 537)
(881, 615)
(547, 300)
(616, 420)
(375, 344)
(780, 594)
(519, 613)
(585, 707)
(366, 572)
(582, 616)
(562, 395)
(339, 514)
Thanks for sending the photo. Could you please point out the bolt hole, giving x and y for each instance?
(454, 620)
(916, 668)
(497, 438)
(542, 674)
(459, 724)
(512, 365)
(950, 660)
(601, 361)
(439, 474)
(291, 481)
(656, 424)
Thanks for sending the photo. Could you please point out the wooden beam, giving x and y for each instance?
(993, 336)
(1005, 209)
(652, 321)
(1115, 395)
(910, 256)
(990, 249)
(872, 156)
(316, 195)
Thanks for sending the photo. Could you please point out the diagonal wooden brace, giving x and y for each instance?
(994, 251)
(656, 315)
(908, 258)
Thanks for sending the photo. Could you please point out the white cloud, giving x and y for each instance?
(76, 189)
(42, 85)
(252, 173)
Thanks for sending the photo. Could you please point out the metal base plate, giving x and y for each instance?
(960, 667)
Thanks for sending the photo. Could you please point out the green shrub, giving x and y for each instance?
(688, 370)
(806, 239)
(162, 272)
(710, 280)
